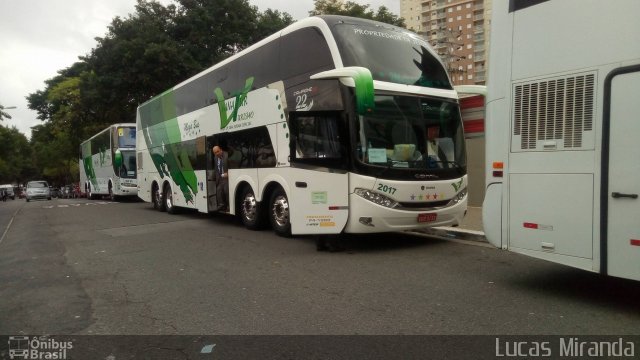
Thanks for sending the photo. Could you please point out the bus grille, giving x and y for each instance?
(423, 205)
(559, 109)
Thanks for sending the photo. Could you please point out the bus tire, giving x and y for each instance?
(279, 213)
(168, 200)
(156, 198)
(90, 194)
(250, 210)
(111, 196)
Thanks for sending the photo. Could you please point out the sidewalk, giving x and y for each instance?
(470, 229)
(473, 220)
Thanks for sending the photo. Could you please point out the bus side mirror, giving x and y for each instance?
(362, 81)
(117, 161)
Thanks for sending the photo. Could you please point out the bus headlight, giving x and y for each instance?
(459, 197)
(376, 198)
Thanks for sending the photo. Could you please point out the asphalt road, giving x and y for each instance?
(72, 266)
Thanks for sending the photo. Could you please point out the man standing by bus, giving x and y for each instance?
(220, 162)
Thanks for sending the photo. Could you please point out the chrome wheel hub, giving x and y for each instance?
(249, 207)
(280, 211)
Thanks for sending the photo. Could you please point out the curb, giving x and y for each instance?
(456, 233)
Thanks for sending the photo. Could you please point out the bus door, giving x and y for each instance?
(319, 180)
(212, 203)
(623, 228)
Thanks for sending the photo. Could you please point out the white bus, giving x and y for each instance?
(331, 125)
(563, 117)
(108, 162)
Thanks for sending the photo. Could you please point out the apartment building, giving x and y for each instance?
(458, 30)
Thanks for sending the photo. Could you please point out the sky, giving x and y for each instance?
(40, 37)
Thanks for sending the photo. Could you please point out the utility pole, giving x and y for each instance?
(4, 115)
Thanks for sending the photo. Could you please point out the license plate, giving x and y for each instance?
(428, 217)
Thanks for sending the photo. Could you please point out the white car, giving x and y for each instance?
(38, 190)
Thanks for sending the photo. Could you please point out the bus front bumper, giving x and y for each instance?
(368, 217)
(127, 188)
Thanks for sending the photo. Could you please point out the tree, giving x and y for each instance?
(350, 8)
(40, 102)
(16, 164)
(270, 22)
(51, 148)
(212, 30)
(137, 59)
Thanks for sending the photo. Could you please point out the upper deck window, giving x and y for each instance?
(390, 54)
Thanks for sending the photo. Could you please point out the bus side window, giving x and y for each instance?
(250, 148)
(317, 137)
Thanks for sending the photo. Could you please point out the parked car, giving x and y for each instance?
(9, 190)
(38, 190)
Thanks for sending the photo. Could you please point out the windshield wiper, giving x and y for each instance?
(448, 162)
(384, 171)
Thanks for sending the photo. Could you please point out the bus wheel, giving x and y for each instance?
(250, 210)
(279, 213)
(168, 200)
(156, 198)
(111, 196)
(90, 195)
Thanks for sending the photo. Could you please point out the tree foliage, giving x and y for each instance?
(350, 8)
(15, 156)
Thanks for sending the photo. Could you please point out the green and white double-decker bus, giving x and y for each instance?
(108, 162)
(332, 125)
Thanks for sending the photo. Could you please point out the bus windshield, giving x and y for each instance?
(412, 132)
(128, 167)
(392, 55)
(127, 137)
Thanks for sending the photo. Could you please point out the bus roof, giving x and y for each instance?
(133, 125)
(323, 23)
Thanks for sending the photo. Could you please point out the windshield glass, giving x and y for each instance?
(412, 132)
(391, 54)
(128, 167)
(37, 184)
(126, 137)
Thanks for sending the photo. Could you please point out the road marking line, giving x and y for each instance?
(8, 226)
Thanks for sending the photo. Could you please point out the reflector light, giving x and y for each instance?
(530, 225)
(635, 242)
(498, 174)
(498, 165)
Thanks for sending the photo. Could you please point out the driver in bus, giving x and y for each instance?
(433, 156)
